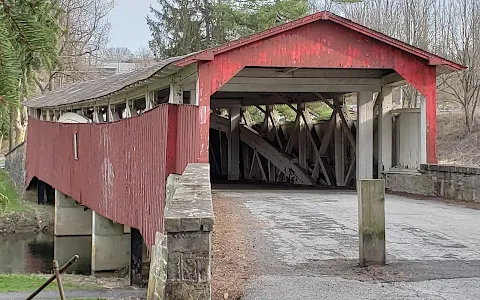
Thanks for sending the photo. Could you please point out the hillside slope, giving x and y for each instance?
(455, 144)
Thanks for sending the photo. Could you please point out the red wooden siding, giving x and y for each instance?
(187, 149)
(322, 44)
(122, 166)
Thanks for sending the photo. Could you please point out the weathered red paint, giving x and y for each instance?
(209, 54)
(122, 166)
(322, 44)
(187, 136)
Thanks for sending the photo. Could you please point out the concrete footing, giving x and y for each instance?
(103, 246)
(110, 246)
(73, 233)
(67, 246)
(371, 221)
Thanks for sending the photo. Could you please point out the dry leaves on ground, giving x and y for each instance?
(232, 259)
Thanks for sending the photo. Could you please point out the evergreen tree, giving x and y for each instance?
(185, 26)
(176, 28)
(251, 16)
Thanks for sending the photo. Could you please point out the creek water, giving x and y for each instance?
(26, 253)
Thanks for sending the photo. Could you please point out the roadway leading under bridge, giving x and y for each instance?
(305, 245)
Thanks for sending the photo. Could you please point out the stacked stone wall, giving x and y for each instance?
(448, 181)
(181, 257)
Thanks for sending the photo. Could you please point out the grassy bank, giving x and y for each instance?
(9, 200)
(30, 282)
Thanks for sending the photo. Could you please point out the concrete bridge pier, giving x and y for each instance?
(110, 246)
(73, 233)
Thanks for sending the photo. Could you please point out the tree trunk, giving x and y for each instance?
(19, 125)
(12, 132)
(468, 121)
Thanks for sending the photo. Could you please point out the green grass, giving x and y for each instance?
(30, 282)
(9, 200)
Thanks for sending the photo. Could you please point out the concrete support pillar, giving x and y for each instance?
(110, 246)
(365, 135)
(339, 145)
(385, 127)
(234, 145)
(73, 233)
(423, 131)
(371, 221)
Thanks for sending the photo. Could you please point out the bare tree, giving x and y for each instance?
(85, 35)
(143, 58)
(118, 54)
(463, 39)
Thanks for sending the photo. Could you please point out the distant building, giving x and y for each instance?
(113, 68)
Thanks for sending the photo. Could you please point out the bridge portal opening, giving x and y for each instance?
(294, 126)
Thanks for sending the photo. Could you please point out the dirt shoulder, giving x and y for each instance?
(233, 261)
(34, 218)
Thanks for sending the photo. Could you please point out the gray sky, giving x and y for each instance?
(129, 27)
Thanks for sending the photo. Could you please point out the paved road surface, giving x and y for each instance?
(308, 248)
(100, 294)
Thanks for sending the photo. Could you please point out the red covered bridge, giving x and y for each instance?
(142, 126)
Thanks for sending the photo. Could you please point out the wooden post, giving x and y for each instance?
(223, 141)
(59, 280)
(176, 94)
(234, 145)
(41, 187)
(49, 116)
(423, 131)
(302, 138)
(365, 135)
(136, 261)
(56, 115)
(371, 221)
(149, 100)
(339, 144)
(246, 161)
(385, 126)
(128, 109)
(96, 114)
(193, 97)
(112, 114)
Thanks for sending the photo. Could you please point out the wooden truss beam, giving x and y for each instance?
(281, 161)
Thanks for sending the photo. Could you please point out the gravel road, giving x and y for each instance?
(308, 247)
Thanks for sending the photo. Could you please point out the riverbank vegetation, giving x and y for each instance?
(9, 199)
(18, 216)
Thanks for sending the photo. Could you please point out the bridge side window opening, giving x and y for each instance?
(75, 145)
